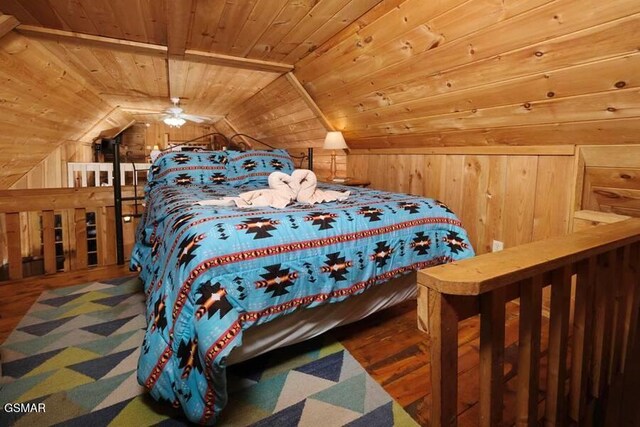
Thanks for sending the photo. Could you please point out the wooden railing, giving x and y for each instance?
(602, 263)
(101, 174)
(50, 227)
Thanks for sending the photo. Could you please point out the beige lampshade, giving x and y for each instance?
(334, 141)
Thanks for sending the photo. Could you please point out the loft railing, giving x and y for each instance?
(101, 174)
(602, 263)
(60, 229)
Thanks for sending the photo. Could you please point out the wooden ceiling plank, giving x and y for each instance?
(439, 31)
(309, 101)
(104, 18)
(7, 24)
(614, 39)
(592, 77)
(322, 11)
(107, 42)
(375, 13)
(205, 24)
(155, 21)
(236, 14)
(237, 62)
(457, 54)
(284, 22)
(599, 106)
(15, 8)
(72, 13)
(597, 132)
(179, 20)
(324, 30)
(394, 24)
(262, 19)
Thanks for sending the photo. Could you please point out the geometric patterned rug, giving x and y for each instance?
(77, 348)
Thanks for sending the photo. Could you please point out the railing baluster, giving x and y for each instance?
(443, 324)
(14, 245)
(81, 237)
(558, 340)
(632, 279)
(603, 312)
(529, 352)
(619, 306)
(492, 323)
(49, 241)
(582, 337)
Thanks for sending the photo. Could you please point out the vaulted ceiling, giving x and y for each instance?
(74, 68)
(389, 73)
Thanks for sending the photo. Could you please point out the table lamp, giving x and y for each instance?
(334, 141)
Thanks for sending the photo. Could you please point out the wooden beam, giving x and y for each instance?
(492, 150)
(309, 101)
(236, 62)
(7, 23)
(179, 19)
(105, 42)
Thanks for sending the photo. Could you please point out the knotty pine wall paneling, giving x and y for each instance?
(611, 179)
(512, 198)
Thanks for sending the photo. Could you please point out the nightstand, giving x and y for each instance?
(351, 182)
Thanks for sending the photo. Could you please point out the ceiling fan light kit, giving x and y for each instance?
(174, 122)
(175, 116)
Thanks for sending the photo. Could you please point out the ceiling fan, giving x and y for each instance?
(175, 116)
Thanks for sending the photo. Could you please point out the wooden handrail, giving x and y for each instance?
(487, 272)
(43, 199)
(602, 265)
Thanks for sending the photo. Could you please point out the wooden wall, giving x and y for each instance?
(511, 198)
(281, 116)
(156, 131)
(482, 72)
(611, 179)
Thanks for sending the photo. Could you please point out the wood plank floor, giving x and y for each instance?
(387, 344)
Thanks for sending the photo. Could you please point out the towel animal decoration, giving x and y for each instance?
(300, 186)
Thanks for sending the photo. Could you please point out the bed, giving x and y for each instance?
(225, 284)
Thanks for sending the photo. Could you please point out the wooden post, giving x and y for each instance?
(529, 352)
(443, 324)
(558, 342)
(617, 327)
(632, 276)
(582, 337)
(49, 241)
(492, 323)
(81, 238)
(14, 245)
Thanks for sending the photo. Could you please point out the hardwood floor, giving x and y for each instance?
(387, 344)
(16, 297)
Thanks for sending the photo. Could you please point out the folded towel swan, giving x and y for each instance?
(301, 186)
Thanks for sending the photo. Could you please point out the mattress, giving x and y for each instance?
(306, 324)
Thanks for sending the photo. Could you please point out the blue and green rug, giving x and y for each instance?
(77, 348)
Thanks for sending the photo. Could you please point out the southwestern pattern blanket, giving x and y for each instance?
(212, 272)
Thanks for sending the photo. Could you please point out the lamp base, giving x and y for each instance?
(333, 167)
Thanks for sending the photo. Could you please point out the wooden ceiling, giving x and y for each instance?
(485, 72)
(280, 30)
(73, 68)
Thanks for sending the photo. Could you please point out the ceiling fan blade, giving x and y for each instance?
(196, 119)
